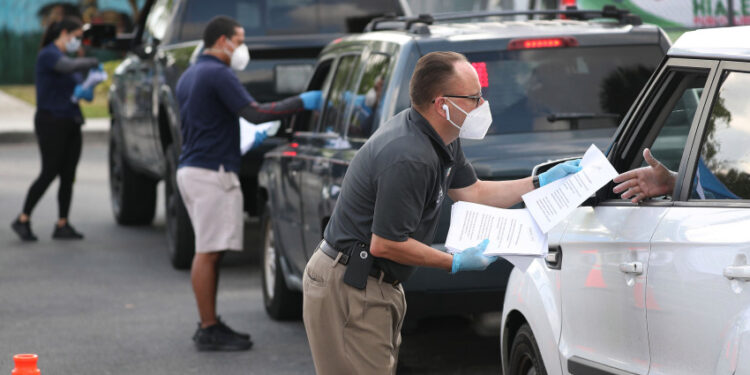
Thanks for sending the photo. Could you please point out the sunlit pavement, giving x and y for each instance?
(112, 304)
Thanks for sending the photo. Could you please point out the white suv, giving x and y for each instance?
(660, 287)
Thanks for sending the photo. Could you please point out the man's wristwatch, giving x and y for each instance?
(535, 181)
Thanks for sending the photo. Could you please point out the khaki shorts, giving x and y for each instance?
(214, 203)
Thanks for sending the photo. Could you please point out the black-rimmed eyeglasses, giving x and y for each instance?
(477, 98)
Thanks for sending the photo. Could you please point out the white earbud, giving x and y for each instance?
(447, 112)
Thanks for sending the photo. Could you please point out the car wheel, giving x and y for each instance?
(525, 358)
(132, 195)
(180, 235)
(281, 302)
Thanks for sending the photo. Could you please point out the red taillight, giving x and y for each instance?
(289, 153)
(516, 44)
(337, 40)
(294, 145)
(481, 69)
(564, 4)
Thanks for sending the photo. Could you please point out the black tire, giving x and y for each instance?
(281, 302)
(180, 235)
(525, 358)
(132, 195)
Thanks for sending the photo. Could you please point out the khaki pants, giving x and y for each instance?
(350, 331)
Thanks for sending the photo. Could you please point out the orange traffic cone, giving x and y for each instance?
(25, 364)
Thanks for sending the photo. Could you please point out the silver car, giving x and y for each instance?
(659, 287)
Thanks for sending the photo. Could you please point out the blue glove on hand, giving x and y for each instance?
(260, 136)
(311, 99)
(80, 93)
(472, 259)
(559, 171)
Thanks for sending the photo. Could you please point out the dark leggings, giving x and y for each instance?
(60, 148)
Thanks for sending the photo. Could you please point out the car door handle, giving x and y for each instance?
(554, 257)
(737, 272)
(635, 268)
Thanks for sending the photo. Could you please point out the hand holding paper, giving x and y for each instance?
(251, 135)
(508, 231)
(472, 259)
(550, 204)
(85, 90)
(559, 171)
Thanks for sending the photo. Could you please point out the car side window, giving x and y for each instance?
(723, 170)
(307, 121)
(669, 143)
(339, 95)
(367, 97)
(666, 125)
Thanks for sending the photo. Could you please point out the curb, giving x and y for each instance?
(27, 136)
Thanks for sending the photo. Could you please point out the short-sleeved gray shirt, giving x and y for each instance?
(395, 185)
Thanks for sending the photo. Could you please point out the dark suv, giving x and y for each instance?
(284, 38)
(555, 86)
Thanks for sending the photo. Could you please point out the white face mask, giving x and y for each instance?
(73, 44)
(240, 57)
(477, 122)
(370, 98)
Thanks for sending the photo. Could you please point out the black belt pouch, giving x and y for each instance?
(359, 266)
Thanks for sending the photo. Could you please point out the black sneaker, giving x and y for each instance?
(23, 230)
(215, 338)
(227, 329)
(66, 232)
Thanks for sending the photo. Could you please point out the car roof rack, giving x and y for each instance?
(420, 23)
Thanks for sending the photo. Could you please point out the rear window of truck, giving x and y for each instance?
(285, 17)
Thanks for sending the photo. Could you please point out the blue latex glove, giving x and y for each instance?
(472, 259)
(559, 171)
(260, 136)
(311, 99)
(80, 93)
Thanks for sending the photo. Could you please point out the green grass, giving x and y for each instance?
(95, 109)
(23, 92)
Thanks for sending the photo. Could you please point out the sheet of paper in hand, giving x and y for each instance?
(248, 130)
(553, 202)
(510, 231)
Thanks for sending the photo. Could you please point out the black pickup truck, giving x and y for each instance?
(284, 38)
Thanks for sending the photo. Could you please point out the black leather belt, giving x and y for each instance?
(375, 271)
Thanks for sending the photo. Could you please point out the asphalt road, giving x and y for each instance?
(112, 304)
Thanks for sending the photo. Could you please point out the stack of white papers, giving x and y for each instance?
(248, 131)
(514, 232)
(95, 77)
(509, 231)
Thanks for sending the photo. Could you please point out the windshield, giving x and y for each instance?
(285, 17)
(557, 89)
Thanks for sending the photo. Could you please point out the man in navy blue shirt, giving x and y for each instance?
(211, 101)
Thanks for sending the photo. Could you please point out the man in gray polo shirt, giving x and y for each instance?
(386, 216)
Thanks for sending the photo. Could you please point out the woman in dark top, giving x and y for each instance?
(57, 122)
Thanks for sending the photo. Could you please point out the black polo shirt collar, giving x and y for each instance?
(422, 124)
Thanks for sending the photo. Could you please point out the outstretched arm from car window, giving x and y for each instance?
(66, 65)
(646, 182)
